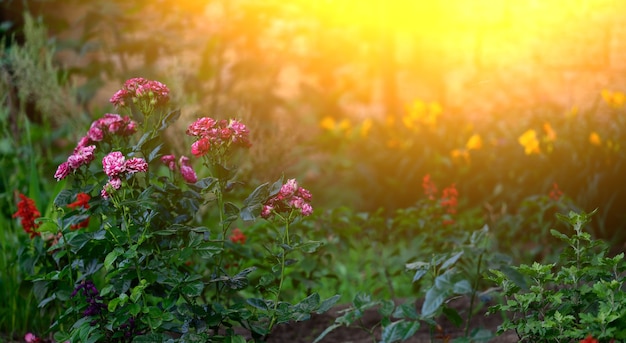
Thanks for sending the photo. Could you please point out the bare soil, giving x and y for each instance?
(307, 331)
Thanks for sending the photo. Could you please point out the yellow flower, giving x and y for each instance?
(474, 142)
(366, 127)
(328, 123)
(550, 134)
(594, 139)
(530, 142)
(458, 154)
(344, 125)
(613, 99)
(423, 113)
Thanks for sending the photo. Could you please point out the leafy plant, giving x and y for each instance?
(139, 249)
(568, 300)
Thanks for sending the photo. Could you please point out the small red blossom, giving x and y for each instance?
(555, 192)
(449, 199)
(238, 237)
(82, 200)
(430, 190)
(28, 212)
(589, 339)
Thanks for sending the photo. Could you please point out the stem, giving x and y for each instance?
(471, 306)
(282, 274)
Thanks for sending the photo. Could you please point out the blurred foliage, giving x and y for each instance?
(297, 77)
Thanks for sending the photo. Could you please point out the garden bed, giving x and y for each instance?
(309, 330)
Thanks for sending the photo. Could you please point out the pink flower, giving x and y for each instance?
(95, 133)
(112, 185)
(201, 147)
(118, 98)
(131, 127)
(289, 188)
(290, 198)
(83, 142)
(31, 338)
(240, 133)
(135, 165)
(140, 88)
(81, 156)
(189, 175)
(169, 161)
(114, 164)
(266, 212)
(201, 127)
(62, 171)
(186, 170)
(306, 209)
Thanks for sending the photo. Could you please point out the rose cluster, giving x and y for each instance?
(109, 125)
(290, 197)
(186, 170)
(216, 135)
(116, 166)
(139, 88)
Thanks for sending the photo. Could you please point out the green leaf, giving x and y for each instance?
(462, 287)
(310, 246)
(433, 300)
(453, 316)
(193, 289)
(111, 257)
(309, 303)
(113, 304)
(400, 330)
(253, 203)
(481, 335)
(406, 311)
(452, 260)
(257, 303)
(208, 249)
(63, 198)
(386, 307)
(327, 304)
(362, 299)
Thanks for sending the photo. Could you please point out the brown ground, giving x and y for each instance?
(308, 331)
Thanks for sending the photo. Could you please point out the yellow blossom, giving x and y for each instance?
(328, 123)
(594, 139)
(530, 142)
(458, 154)
(423, 113)
(366, 127)
(474, 142)
(613, 99)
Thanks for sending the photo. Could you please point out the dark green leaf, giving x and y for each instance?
(399, 331)
(453, 316)
(433, 300)
(327, 304)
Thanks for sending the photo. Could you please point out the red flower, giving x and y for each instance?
(238, 237)
(82, 201)
(589, 339)
(555, 193)
(449, 199)
(430, 190)
(27, 210)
